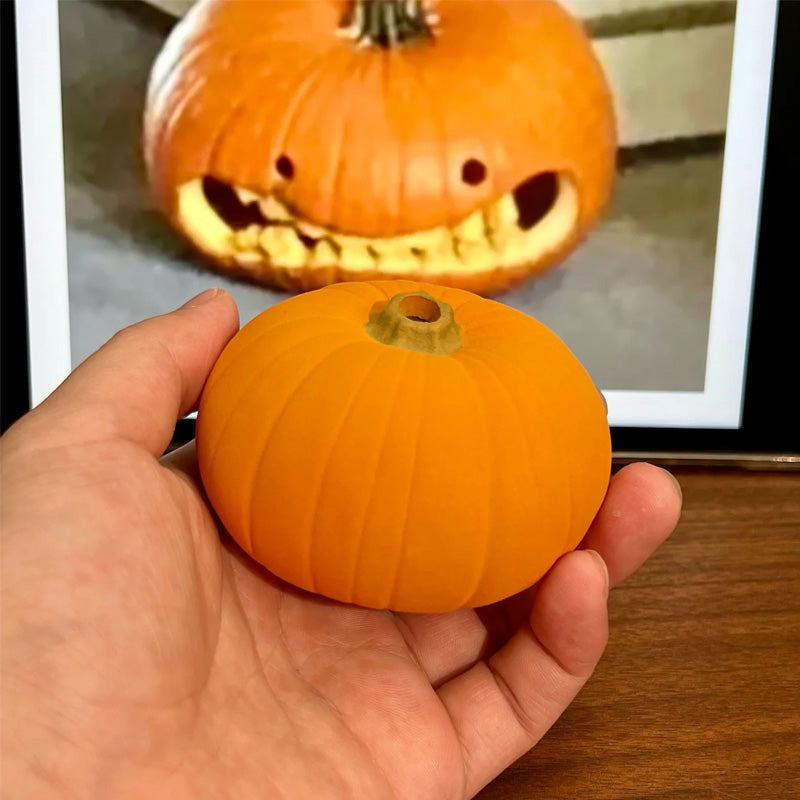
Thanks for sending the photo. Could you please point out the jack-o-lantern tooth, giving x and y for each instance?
(506, 213)
(281, 244)
(503, 229)
(296, 253)
(396, 256)
(472, 229)
(248, 258)
(489, 216)
(435, 243)
(309, 229)
(273, 209)
(514, 247)
(476, 256)
(491, 220)
(247, 238)
(324, 254)
(354, 252)
(246, 197)
(270, 243)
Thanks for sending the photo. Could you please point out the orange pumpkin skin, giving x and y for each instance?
(378, 139)
(392, 478)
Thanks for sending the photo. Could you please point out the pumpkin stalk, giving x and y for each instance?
(416, 321)
(386, 23)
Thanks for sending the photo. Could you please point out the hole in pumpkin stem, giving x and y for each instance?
(285, 167)
(473, 172)
(419, 309)
(535, 197)
(223, 199)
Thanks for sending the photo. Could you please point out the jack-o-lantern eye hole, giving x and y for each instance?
(473, 171)
(285, 167)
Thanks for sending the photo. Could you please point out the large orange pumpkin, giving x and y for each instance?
(304, 142)
(402, 445)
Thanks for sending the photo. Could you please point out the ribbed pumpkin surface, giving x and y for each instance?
(378, 138)
(366, 146)
(389, 477)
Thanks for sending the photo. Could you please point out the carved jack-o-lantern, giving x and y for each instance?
(304, 142)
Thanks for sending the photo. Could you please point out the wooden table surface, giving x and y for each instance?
(698, 693)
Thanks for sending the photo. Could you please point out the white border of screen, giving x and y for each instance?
(719, 406)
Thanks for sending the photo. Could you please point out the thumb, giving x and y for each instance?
(145, 378)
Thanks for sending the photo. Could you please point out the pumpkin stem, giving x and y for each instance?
(386, 23)
(416, 321)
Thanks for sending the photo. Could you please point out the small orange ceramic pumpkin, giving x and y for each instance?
(402, 445)
(302, 142)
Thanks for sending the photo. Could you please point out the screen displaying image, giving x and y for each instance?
(654, 299)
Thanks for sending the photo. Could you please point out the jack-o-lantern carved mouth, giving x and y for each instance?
(248, 229)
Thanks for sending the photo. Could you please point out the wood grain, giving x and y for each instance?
(698, 694)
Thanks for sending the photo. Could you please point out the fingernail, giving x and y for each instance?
(202, 298)
(603, 567)
(677, 484)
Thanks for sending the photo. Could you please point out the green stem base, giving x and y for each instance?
(386, 23)
(416, 321)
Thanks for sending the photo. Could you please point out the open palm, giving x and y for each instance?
(144, 655)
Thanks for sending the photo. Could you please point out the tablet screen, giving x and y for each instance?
(655, 301)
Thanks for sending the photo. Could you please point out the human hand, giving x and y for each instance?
(145, 656)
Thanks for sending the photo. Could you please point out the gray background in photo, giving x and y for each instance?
(632, 303)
